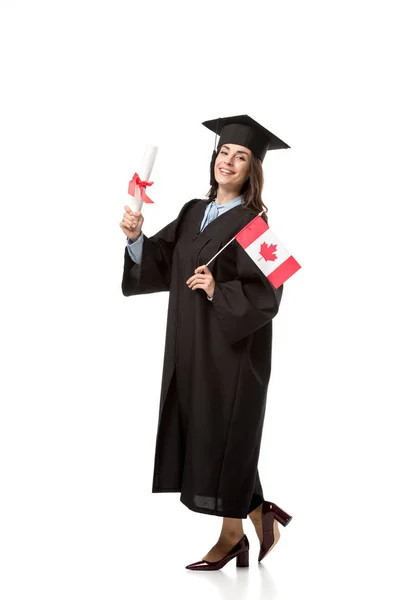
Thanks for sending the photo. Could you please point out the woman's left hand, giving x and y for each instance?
(203, 279)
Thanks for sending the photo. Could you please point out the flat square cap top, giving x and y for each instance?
(245, 131)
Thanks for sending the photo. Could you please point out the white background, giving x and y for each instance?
(85, 86)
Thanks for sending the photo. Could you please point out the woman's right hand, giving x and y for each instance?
(131, 223)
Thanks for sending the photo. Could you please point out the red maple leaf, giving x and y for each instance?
(267, 251)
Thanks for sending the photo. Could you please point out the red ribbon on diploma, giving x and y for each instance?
(136, 181)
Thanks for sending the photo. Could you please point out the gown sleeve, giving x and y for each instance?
(153, 274)
(247, 302)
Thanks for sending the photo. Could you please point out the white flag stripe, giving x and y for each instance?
(267, 266)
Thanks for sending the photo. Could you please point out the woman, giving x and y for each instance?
(218, 344)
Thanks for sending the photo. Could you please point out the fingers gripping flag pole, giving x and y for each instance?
(261, 244)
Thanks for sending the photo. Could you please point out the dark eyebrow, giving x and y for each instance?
(237, 152)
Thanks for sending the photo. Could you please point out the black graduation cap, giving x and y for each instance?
(245, 131)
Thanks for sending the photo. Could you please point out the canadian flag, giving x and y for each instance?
(267, 251)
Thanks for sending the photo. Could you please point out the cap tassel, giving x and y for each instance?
(214, 156)
(216, 133)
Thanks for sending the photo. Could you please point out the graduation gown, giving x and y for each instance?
(217, 361)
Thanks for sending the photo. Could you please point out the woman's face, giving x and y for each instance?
(232, 166)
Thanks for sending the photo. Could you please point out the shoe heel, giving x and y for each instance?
(242, 559)
(281, 516)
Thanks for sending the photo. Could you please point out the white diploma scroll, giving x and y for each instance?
(136, 202)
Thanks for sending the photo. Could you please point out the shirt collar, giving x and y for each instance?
(233, 202)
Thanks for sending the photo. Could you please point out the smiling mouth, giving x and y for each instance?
(225, 172)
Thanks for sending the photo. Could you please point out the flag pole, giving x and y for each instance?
(219, 251)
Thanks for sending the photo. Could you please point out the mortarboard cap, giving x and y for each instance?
(245, 131)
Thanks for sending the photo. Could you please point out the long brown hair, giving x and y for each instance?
(251, 189)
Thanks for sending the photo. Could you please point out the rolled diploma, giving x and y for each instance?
(144, 173)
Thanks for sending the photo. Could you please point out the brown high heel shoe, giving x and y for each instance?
(240, 550)
(271, 513)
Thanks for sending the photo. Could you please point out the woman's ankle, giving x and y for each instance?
(230, 535)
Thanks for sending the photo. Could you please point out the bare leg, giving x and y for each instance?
(231, 533)
(256, 519)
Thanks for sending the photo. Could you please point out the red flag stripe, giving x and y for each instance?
(251, 231)
(283, 272)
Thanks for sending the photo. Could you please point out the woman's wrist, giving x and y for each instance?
(135, 239)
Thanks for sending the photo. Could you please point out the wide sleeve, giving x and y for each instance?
(247, 302)
(153, 274)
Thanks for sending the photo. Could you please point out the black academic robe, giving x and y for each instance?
(217, 361)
